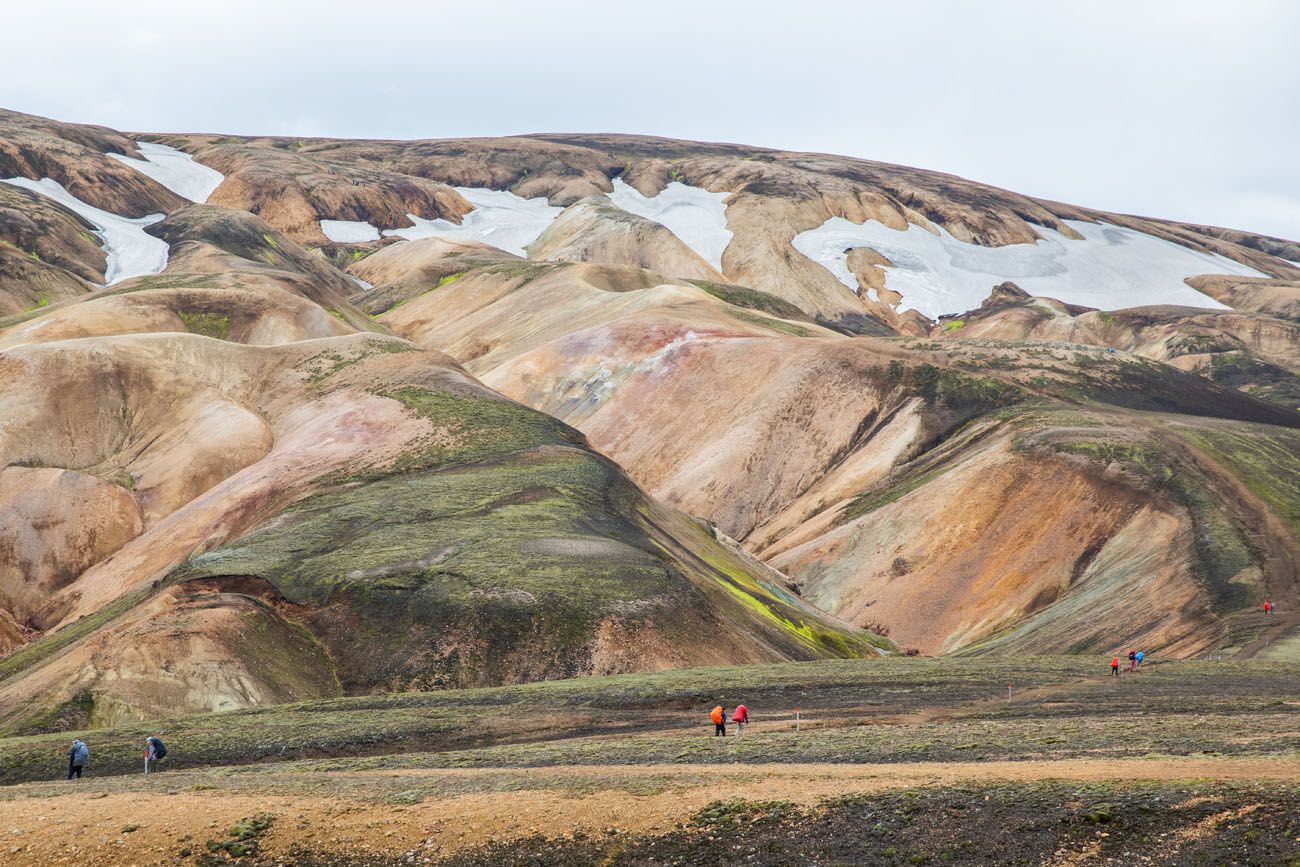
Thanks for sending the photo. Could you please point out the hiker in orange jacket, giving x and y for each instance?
(719, 717)
(1114, 665)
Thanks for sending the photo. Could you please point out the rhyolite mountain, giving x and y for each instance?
(291, 418)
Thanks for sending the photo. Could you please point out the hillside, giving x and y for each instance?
(284, 419)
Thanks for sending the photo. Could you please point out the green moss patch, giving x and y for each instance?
(777, 325)
(1266, 459)
(477, 425)
(461, 575)
(206, 324)
(751, 299)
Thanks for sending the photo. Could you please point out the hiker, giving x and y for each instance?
(740, 716)
(1132, 660)
(1139, 658)
(1114, 666)
(1268, 607)
(719, 717)
(77, 758)
(154, 751)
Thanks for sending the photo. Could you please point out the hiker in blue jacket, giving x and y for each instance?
(77, 758)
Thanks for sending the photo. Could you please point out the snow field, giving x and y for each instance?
(349, 231)
(175, 170)
(696, 216)
(1111, 268)
(500, 218)
(131, 251)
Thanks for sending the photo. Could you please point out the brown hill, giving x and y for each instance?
(254, 477)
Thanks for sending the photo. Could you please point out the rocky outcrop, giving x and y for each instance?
(76, 156)
(1251, 351)
(294, 189)
(1278, 297)
(594, 230)
(47, 253)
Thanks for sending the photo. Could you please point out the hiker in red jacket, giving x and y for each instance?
(740, 716)
(1268, 607)
(1114, 666)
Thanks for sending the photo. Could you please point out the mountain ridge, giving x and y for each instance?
(417, 459)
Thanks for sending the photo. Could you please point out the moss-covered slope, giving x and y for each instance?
(512, 553)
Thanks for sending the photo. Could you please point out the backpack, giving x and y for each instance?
(80, 753)
(159, 748)
(718, 715)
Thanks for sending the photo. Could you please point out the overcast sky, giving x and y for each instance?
(1188, 109)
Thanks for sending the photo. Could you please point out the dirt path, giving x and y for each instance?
(38, 828)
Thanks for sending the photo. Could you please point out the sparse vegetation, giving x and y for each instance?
(207, 324)
(1266, 459)
(989, 823)
(778, 325)
(242, 841)
(1203, 706)
(751, 299)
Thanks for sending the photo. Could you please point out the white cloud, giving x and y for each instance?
(1177, 109)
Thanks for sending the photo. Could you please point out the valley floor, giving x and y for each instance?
(894, 762)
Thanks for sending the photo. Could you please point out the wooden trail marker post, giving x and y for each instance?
(796, 719)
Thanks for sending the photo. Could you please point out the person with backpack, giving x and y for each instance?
(1132, 660)
(1140, 654)
(78, 756)
(154, 751)
(719, 717)
(1114, 665)
(740, 716)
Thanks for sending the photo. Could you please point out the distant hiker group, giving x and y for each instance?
(739, 717)
(1135, 658)
(1269, 608)
(79, 756)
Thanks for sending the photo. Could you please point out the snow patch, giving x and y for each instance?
(1110, 269)
(364, 284)
(349, 231)
(131, 251)
(500, 218)
(696, 216)
(175, 170)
